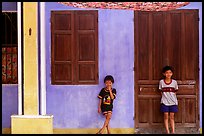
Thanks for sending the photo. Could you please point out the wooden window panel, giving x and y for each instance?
(74, 47)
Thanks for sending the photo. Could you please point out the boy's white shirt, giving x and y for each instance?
(168, 98)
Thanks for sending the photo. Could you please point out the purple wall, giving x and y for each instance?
(198, 5)
(113, 24)
(75, 106)
(9, 6)
(9, 104)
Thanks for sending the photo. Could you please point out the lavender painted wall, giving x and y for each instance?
(75, 106)
(198, 5)
(9, 104)
(9, 6)
(9, 92)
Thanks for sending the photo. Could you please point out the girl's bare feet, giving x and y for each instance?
(99, 132)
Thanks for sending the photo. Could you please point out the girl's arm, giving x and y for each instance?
(111, 93)
(99, 106)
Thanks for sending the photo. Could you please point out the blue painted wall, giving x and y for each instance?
(76, 106)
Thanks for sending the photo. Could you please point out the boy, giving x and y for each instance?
(106, 97)
(169, 102)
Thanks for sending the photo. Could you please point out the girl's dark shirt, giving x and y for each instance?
(104, 95)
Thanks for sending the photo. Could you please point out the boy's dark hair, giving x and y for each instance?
(109, 77)
(167, 68)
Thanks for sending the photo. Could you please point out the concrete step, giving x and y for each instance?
(161, 130)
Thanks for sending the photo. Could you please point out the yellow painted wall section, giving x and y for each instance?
(30, 58)
(24, 125)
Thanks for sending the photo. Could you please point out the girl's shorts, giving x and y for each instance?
(171, 108)
(106, 109)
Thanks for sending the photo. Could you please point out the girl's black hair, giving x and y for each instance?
(109, 77)
(167, 68)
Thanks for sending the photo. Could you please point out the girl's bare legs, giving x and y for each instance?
(172, 122)
(108, 128)
(108, 117)
(166, 117)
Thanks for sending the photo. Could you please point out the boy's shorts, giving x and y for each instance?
(171, 108)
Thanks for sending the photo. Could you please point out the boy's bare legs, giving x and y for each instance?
(172, 122)
(108, 117)
(166, 117)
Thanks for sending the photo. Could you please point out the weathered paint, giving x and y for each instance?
(75, 106)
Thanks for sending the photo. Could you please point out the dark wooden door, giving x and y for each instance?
(166, 38)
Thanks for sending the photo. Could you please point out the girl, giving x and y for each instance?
(106, 97)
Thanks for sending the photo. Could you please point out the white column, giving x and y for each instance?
(19, 60)
(42, 59)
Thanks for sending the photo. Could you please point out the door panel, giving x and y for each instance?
(178, 116)
(144, 106)
(143, 49)
(166, 38)
(190, 108)
(157, 46)
(157, 115)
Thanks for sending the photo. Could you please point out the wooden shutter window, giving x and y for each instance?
(86, 45)
(74, 47)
